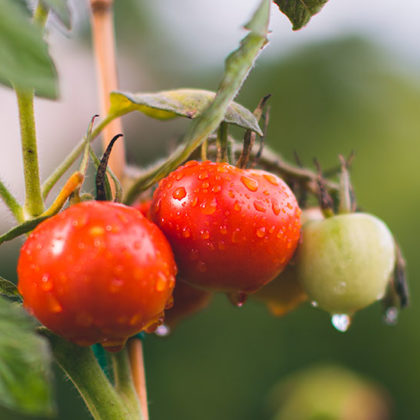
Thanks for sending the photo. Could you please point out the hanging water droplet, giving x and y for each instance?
(314, 304)
(237, 298)
(391, 315)
(341, 322)
(162, 330)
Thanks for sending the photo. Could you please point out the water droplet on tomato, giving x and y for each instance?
(235, 236)
(203, 175)
(202, 266)
(205, 234)
(53, 304)
(272, 179)
(216, 188)
(275, 206)
(259, 206)
(162, 330)
(208, 208)
(179, 193)
(161, 282)
(250, 184)
(236, 206)
(46, 283)
(223, 229)
(194, 201)
(341, 322)
(179, 176)
(237, 298)
(186, 233)
(260, 232)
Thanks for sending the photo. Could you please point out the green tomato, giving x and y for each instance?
(345, 262)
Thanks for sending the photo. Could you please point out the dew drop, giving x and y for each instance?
(314, 304)
(237, 298)
(259, 206)
(54, 305)
(341, 322)
(271, 179)
(236, 206)
(391, 316)
(162, 330)
(250, 184)
(46, 283)
(208, 208)
(203, 175)
(275, 206)
(186, 233)
(179, 193)
(217, 188)
(235, 236)
(205, 185)
(179, 176)
(201, 266)
(223, 229)
(161, 282)
(260, 232)
(205, 234)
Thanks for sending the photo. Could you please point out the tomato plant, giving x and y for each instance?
(213, 214)
(98, 272)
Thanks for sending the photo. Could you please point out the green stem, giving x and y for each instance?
(11, 203)
(124, 382)
(71, 158)
(80, 365)
(34, 204)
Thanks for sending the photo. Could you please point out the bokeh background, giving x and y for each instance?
(348, 81)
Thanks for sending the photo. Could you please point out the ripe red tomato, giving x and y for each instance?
(97, 272)
(231, 229)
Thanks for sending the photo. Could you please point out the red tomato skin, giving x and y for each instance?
(231, 229)
(96, 272)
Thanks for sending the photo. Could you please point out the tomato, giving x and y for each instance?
(285, 292)
(96, 272)
(144, 208)
(231, 229)
(345, 262)
(187, 301)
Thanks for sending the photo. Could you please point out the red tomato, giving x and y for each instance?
(231, 229)
(187, 301)
(144, 208)
(97, 272)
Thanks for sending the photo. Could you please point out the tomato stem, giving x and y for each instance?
(135, 349)
(103, 37)
(11, 203)
(81, 367)
(124, 382)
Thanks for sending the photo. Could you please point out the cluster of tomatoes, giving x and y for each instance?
(100, 272)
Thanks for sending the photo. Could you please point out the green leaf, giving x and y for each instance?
(24, 59)
(188, 103)
(60, 9)
(24, 227)
(237, 66)
(24, 363)
(9, 289)
(300, 12)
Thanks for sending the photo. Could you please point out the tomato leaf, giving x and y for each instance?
(188, 103)
(300, 12)
(24, 363)
(8, 289)
(237, 66)
(24, 57)
(61, 10)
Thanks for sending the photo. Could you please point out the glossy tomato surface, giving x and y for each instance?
(231, 229)
(96, 272)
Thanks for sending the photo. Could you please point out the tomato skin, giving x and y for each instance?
(345, 262)
(96, 272)
(231, 229)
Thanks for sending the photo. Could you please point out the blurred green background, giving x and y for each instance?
(328, 97)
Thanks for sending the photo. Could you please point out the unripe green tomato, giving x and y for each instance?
(345, 262)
